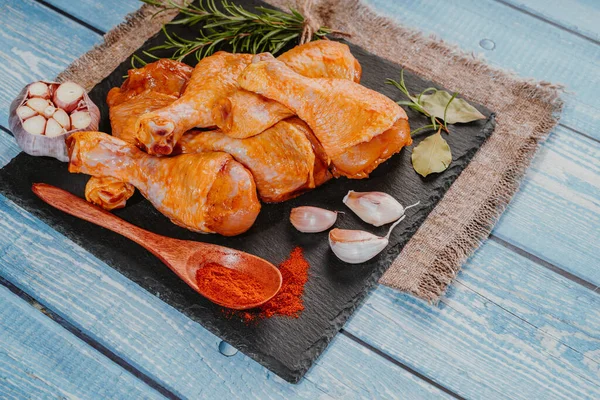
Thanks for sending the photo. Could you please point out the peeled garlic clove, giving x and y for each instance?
(53, 128)
(375, 208)
(25, 112)
(49, 111)
(35, 125)
(80, 119)
(312, 219)
(355, 247)
(38, 105)
(62, 118)
(39, 89)
(67, 96)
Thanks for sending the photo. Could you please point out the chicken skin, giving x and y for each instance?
(245, 114)
(213, 77)
(203, 192)
(323, 59)
(163, 76)
(281, 159)
(212, 96)
(146, 89)
(345, 116)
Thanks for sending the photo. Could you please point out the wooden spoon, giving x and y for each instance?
(184, 257)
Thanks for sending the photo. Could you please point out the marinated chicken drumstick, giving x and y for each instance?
(213, 97)
(203, 192)
(245, 114)
(146, 89)
(285, 160)
(358, 127)
(213, 77)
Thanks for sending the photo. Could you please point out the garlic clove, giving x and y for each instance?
(35, 125)
(53, 128)
(37, 104)
(67, 96)
(62, 118)
(80, 119)
(25, 112)
(355, 247)
(312, 219)
(39, 89)
(49, 111)
(375, 208)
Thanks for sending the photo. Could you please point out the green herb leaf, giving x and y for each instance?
(457, 110)
(229, 25)
(431, 155)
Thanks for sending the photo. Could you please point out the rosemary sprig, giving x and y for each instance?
(230, 24)
(415, 104)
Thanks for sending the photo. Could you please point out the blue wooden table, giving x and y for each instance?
(521, 321)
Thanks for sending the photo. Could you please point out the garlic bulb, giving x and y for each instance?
(375, 208)
(312, 219)
(44, 114)
(355, 247)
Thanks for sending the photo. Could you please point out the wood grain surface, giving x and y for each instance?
(510, 324)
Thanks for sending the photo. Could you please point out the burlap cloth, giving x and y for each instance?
(526, 113)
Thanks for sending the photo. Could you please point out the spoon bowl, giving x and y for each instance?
(262, 271)
(184, 257)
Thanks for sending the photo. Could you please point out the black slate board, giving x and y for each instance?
(286, 346)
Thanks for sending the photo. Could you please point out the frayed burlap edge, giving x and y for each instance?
(526, 112)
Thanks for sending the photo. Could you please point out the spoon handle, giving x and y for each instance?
(73, 205)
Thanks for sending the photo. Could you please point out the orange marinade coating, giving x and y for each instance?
(203, 192)
(146, 89)
(343, 115)
(213, 77)
(245, 114)
(281, 159)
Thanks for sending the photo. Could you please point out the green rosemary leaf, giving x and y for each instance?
(229, 25)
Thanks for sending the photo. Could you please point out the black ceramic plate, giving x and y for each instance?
(286, 346)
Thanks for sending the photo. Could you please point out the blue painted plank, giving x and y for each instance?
(8, 148)
(530, 47)
(163, 343)
(556, 215)
(40, 359)
(508, 328)
(591, 113)
(580, 16)
(37, 43)
(102, 15)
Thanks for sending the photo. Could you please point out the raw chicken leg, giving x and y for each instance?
(281, 159)
(213, 78)
(245, 114)
(150, 88)
(345, 116)
(203, 192)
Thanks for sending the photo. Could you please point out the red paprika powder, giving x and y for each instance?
(228, 285)
(288, 301)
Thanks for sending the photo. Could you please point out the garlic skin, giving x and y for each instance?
(309, 219)
(28, 121)
(356, 247)
(375, 208)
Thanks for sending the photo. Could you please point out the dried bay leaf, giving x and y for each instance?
(431, 155)
(458, 110)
